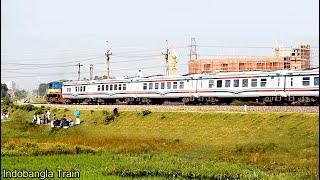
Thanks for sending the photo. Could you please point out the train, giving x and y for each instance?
(54, 93)
(288, 87)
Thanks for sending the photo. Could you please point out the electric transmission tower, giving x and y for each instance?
(193, 50)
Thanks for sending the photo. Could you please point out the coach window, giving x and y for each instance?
(156, 85)
(102, 87)
(115, 87)
(168, 85)
(107, 87)
(111, 87)
(306, 81)
(145, 86)
(244, 82)
(263, 82)
(84, 88)
(211, 83)
(227, 83)
(291, 81)
(98, 87)
(236, 83)
(162, 85)
(124, 87)
(254, 82)
(278, 81)
(150, 85)
(175, 85)
(181, 85)
(316, 81)
(120, 87)
(219, 83)
(76, 89)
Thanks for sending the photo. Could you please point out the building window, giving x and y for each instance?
(244, 82)
(124, 87)
(207, 67)
(219, 83)
(181, 85)
(98, 87)
(211, 83)
(107, 87)
(260, 66)
(162, 85)
(316, 81)
(227, 83)
(115, 87)
(306, 81)
(102, 87)
(254, 82)
(236, 83)
(156, 85)
(241, 67)
(120, 87)
(150, 85)
(111, 87)
(145, 86)
(168, 85)
(263, 82)
(175, 85)
(224, 67)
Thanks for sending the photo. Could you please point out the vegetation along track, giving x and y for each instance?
(305, 109)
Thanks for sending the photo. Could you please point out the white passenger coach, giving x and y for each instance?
(289, 86)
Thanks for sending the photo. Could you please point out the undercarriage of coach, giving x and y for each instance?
(256, 101)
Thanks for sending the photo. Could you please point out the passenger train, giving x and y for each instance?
(276, 87)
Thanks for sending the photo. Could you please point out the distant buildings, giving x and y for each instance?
(288, 58)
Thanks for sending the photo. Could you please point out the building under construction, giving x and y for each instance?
(287, 58)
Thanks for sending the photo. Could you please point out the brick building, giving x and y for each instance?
(290, 58)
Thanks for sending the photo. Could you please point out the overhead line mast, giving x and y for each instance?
(167, 57)
(107, 54)
(79, 66)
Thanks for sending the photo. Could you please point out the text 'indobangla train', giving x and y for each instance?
(277, 87)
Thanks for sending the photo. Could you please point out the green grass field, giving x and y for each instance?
(161, 145)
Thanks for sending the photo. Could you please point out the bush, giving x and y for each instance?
(91, 111)
(145, 112)
(109, 118)
(27, 107)
(65, 110)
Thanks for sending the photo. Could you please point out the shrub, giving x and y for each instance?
(27, 107)
(145, 112)
(109, 118)
(65, 110)
(91, 111)
(104, 112)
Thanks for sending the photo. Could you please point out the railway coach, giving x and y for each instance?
(276, 87)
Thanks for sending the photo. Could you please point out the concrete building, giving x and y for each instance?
(287, 58)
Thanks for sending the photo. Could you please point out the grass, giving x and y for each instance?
(161, 145)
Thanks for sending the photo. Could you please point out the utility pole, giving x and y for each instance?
(193, 49)
(167, 58)
(107, 54)
(91, 71)
(79, 65)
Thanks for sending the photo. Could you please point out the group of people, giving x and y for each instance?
(38, 120)
(65, 122)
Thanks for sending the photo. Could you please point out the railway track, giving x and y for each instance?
(305, 109)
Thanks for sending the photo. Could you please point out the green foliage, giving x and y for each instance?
(20, 94)
(4, 90)
(42, 89)
(91, 111)
(199, 145)
(146, 112)
(28, 107)
(65, 110)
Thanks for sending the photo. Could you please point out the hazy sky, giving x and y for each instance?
(42, 40)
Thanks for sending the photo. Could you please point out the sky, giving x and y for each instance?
(42, 40)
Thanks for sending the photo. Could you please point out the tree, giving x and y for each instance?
(20, 94)
(4, 90)
(42, 89)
